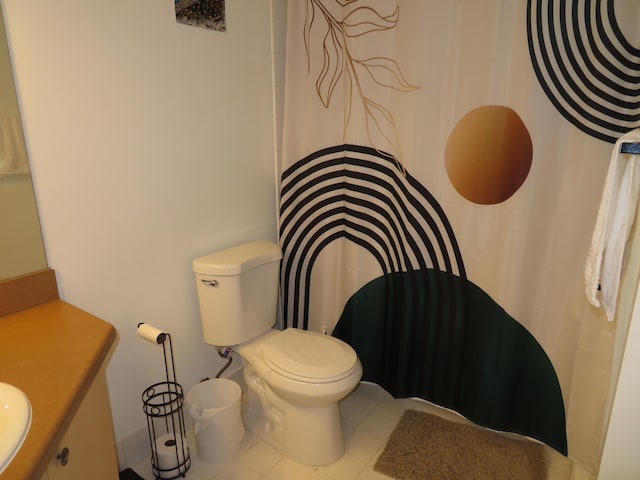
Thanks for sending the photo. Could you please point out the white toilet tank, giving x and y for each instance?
(238, 292)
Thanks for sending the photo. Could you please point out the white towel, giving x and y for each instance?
(13, 153)
(615, 218)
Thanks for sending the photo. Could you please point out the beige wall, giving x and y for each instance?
(151, 143)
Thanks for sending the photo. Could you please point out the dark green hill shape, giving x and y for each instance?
(432, 335)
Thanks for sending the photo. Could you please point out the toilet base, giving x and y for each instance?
(309, 436)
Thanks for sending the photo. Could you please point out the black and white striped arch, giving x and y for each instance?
(357, 193)
(586, 66)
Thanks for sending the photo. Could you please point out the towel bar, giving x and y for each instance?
(630, 147)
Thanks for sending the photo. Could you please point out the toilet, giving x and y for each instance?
(295, 378)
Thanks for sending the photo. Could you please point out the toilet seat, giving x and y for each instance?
(309, 356)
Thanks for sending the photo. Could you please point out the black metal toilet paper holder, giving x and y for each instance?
(163, 406)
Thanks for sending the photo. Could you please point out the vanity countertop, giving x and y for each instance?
(52, 352)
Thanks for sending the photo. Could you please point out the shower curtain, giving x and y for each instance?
(441, 171)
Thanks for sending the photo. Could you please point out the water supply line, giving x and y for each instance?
(226, 353)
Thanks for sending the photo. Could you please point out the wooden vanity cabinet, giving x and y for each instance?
(89, 440)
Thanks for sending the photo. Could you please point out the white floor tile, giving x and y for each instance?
(286, 469)
(144, 469)
(261, 457)
(377, 426)
(362, 445)
(370, 474)
(248, 441)
(392, 408)
(318, 475)
(348, 467)
(368, 395)
(238, 471)
(352, 413)
(347, 429)
(204, 471)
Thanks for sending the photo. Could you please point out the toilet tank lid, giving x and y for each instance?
(238, 259)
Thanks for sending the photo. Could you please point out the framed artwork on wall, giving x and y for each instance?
(208, 14)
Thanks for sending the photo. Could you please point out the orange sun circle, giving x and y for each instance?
(488, 154)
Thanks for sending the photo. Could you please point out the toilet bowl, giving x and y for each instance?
(296, 379)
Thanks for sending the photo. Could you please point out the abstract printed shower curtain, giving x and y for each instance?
(442, 167)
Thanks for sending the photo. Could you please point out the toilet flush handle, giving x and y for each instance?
(210, 283)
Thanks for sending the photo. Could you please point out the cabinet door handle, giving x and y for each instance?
(63, 456)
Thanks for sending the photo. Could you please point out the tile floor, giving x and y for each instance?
(369, 415)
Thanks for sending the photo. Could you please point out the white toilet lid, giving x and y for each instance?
(309, 354)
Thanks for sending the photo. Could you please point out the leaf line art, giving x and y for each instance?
(339, 64)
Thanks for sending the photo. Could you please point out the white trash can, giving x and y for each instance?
(215, 408)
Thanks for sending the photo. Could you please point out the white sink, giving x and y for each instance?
(15, 420)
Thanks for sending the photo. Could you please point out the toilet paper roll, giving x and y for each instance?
(151, 333)
(168, 458)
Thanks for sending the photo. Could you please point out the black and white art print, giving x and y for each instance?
(208, 14)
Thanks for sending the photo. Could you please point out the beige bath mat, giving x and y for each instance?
(427, 447)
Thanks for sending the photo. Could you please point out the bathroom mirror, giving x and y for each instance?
(21, 245)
